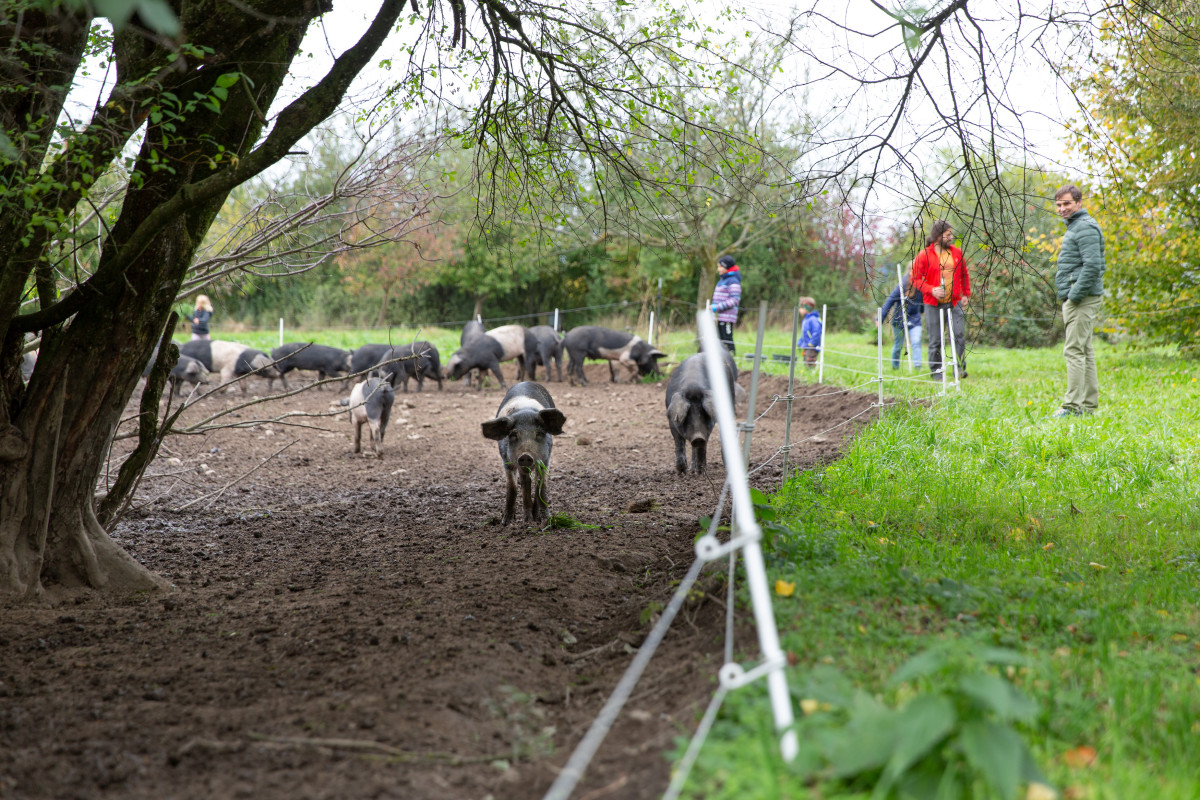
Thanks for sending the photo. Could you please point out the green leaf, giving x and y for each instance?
(998, 753)
(870, 742)
(923, 724)
(1003, 656)
(999, 696)
(227, 80)
(920, 665)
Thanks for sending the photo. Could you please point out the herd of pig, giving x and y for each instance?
(526, 421)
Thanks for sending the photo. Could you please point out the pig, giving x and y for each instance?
(690, 410)
(230, 359)
(481, 353)
(371, 404)
(404, 365)
(525, 426)
(549, 346)
(186, 370)
(28, 362)
(426, 364)
(327, 362)
(592, 341)
(472, 330)
(518, 344)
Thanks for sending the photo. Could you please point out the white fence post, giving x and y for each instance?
(942, 353)
(821, 352)
(774, 662)
(281, 331)
(953, 348)
(879, 342)
(650, 334)
(904, 319)
(556, 320)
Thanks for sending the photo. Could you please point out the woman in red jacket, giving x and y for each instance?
(940, 275)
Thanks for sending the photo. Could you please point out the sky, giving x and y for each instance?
(853, 36)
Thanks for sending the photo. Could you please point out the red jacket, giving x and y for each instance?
(927, 275)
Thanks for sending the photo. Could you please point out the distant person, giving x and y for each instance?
(1080, 283)
(906, 322)
(940, 274)
(727, 296)
(810, 331)
(200, 317)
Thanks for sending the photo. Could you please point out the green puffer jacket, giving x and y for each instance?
(1081, 259)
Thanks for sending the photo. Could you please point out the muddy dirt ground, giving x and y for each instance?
(351, 627)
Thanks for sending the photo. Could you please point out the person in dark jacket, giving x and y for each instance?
(200, 317)
(726, 297)
(1080, 284)
(906, 322)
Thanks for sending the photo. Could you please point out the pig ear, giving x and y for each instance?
(552, 420)
(657, 354)
(496, 429)
(707, 404)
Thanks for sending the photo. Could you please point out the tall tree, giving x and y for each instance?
(1143, 95)
(194, 106)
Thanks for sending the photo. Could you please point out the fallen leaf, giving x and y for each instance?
(1048, 546)
(1096, 566)
(1080, 757)
(1040, 791)
(809, 706)
(784, 588)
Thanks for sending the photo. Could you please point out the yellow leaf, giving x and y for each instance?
(1096, 566)
(809, 706)
(1048, 546)
(784, 588)
(1040, 791)
(861, 629)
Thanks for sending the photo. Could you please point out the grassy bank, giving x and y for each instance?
(976, 523)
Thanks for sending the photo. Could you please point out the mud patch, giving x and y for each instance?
(358, 627)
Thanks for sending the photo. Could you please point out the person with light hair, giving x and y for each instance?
(200, 317)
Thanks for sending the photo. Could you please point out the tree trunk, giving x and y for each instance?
(478, 312)
(89, 366)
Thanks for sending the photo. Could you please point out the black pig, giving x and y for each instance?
(525, 426)
(690, 410)
(549, 346)
(327, 362)
(592, 341)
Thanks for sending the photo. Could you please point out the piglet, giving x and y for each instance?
(690, 410)
(371, 405)
(525, 426)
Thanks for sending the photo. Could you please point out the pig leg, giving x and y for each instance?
(612, 373)
(495, 367)
(699, 455)
(681, 464)
(357, 435)
(510, 496)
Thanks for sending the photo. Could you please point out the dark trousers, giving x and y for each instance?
(725, 331)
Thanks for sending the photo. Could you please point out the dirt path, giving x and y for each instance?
(345, 627)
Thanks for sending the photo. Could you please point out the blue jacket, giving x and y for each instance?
(727, 295)
(810, 331)
(914, 307)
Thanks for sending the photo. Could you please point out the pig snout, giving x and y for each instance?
(525, 461)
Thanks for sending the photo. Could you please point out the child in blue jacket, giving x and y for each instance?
(810, 331)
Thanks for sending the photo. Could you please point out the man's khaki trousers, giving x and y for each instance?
(1083, 389)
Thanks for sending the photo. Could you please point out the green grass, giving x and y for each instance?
(975, 520)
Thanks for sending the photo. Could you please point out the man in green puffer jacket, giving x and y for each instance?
(1080, 283)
